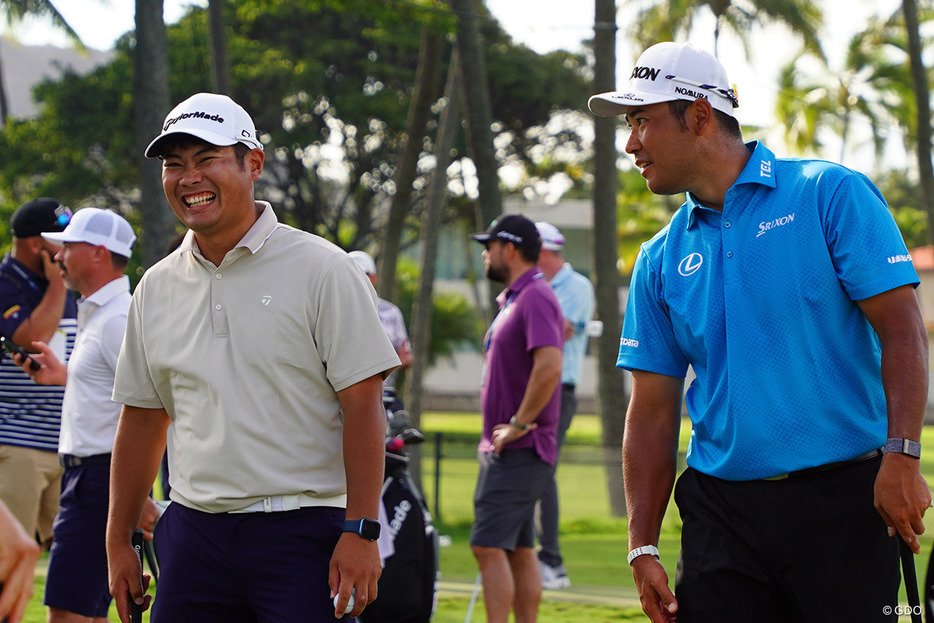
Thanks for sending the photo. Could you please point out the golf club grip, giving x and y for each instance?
(136, 610)
(910, 577)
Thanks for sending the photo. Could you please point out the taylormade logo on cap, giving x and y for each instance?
(187, 115)
(211, 117)
(670, 71)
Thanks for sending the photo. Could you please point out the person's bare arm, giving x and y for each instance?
(18, 554)
(545, 376)
(650, 453)
(355, 564)
(44, 319)
(137, 453)
(901, 493)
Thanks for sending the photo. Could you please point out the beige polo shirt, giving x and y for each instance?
(246, 358)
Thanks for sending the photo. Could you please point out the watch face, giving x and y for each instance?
(369, 529)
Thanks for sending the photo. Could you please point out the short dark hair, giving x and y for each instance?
(729, 123)
(118, 261)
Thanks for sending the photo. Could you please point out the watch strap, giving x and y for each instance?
(514, 421)
(367, 528)
(902, 446)
(641, 551)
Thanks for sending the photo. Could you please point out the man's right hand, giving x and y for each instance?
(658, 602)
(50, 268)
(124, 569)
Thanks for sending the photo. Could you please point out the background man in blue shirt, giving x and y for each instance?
(575, 295)
(786, 286)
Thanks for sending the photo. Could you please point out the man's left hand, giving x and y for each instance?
(902, 496)
(504, 434)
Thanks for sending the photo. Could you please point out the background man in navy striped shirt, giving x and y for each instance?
(34, 305)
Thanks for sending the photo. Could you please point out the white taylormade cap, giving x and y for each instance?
(670, 71)
(98, 227)
(214, 118)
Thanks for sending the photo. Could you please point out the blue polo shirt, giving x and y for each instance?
(575, 295)
(761, 301)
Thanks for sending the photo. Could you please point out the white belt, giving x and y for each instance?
(277, 503)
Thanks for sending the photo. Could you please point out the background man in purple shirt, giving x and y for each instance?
(520, 401)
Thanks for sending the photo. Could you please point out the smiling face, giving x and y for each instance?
(662, 147)
(210, 189)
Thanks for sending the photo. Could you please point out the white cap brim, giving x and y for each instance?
(213, 138)
(614, 103)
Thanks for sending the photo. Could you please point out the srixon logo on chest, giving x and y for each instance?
(645, 73)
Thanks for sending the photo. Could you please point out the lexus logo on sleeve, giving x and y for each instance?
(690, 264)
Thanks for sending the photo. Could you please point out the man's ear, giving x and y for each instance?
(255, 160)
(701, 115)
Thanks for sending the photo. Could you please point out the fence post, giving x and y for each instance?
(438, 454)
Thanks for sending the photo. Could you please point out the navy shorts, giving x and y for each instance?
(245, 567)
(77, 580)
(508, 486)
(807, 549)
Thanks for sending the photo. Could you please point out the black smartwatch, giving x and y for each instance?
(367, 528)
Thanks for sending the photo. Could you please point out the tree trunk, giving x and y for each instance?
(427, 79)
(422, 308)
(151, 103)
(922, 93)
(217, 41)
(611, 398)
(476, 91)
(4, 102)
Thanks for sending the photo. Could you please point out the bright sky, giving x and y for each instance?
(545, 25)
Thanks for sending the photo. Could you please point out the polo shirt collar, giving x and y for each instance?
(563, 274)
(254, 238)
(106, 292)
(759, 169)
(517, 285)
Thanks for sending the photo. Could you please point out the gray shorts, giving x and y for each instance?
(508, 486)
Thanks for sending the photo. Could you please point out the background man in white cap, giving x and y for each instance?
(257, 348)
(96, 250)
(34, 305)
(575, 295)
(786, 286)
(394, 323)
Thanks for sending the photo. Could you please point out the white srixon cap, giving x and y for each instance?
(214, 118)
(670, 71)
(98, 227)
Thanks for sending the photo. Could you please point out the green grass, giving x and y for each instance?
(593, 543)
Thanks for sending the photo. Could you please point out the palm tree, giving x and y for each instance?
(922, 93)
(834, 99)
(610, 391)
(14, 11)
(667, 19)
(151, 101)
(217, 39)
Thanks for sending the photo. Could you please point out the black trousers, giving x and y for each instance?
(804, 549)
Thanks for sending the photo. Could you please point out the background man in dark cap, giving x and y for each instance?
(34, 305)
(520, 400)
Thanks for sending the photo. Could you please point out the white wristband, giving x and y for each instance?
(639, 551)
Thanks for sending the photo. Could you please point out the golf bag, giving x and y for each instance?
(408, 586)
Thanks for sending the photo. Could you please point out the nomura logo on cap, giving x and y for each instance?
(188, 115)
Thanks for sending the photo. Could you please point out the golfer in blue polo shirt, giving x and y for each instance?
(787, 288)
